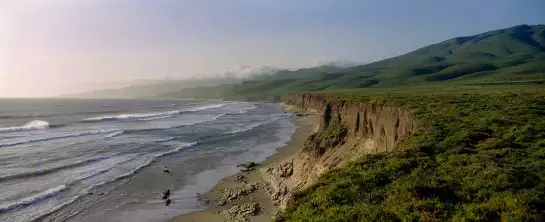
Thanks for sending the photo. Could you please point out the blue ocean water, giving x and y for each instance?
(102, 160)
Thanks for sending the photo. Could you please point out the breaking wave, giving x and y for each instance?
(56, 190)
(135, 170)
(55, 169)
(134, 116)
(199, 108)
(118, 133)
(164, 140)
(252, 126)
(172, 126)
(245, 110)
(32, 125)
(63, 136)
(34, 198)
(150, 116)
(53, 191)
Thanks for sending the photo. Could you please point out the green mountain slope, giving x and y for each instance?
(489, 52)
(511, 54)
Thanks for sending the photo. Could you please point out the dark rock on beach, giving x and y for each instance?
(241, 212)
(245, 170)
(166, 194)
(230, 194)
(247, 164)
(240, 179)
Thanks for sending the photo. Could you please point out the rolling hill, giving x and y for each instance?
(515, 54)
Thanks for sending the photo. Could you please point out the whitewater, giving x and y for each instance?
(103, 160)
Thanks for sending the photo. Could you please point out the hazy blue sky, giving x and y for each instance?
(50, 47)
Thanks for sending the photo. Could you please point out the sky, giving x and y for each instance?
(54, 47)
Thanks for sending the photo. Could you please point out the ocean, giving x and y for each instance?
(103, 160)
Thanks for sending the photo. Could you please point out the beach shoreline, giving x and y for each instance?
(257, 196)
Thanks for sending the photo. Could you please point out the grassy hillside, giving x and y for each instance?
(477, 155)
(512, 54)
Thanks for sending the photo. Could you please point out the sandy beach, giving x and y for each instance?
(257, 196)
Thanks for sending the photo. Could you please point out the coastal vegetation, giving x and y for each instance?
(477, 156)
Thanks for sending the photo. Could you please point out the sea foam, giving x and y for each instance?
(172, 126)
(62, 136)
(252, 126)
(44, 171)
(32, 199)
(32, 125)
(133, 116)
(199, 108)
(136, 169)
(150, 116)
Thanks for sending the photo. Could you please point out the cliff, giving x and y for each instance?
(347, 131)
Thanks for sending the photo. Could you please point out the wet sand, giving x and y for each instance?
(306, 125)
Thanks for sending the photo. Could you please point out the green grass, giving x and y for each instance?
(476, 156)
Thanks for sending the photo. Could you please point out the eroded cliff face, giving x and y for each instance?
(347, 132)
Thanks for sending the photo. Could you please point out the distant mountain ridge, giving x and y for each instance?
(152, 89)
(515, 54)
(157, 87)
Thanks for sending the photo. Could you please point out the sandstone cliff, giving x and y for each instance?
(347, 131)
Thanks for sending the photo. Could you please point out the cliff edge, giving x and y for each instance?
(347, 131)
